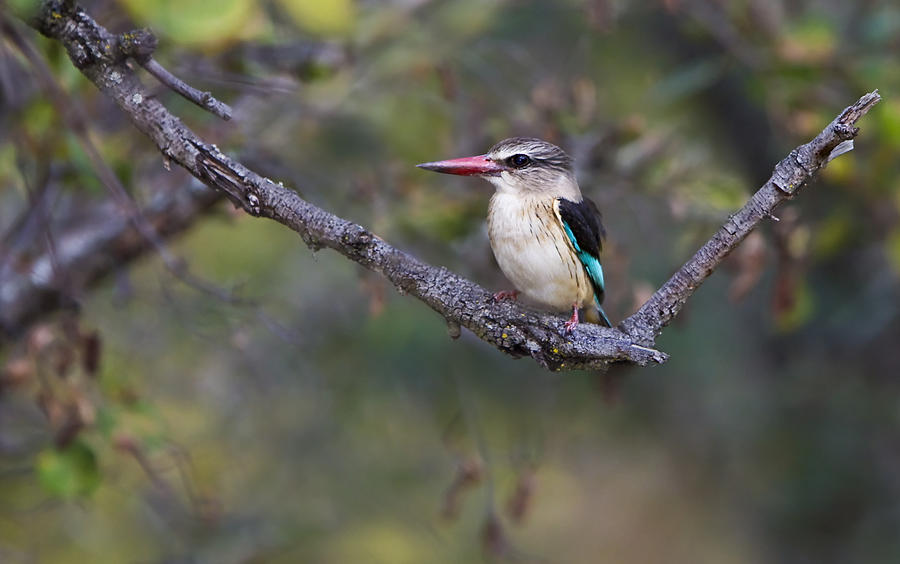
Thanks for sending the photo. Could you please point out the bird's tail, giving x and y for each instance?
(597, 315)
(600, 311)
(604, 317)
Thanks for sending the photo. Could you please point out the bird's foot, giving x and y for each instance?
(506, 295)
(572, 321)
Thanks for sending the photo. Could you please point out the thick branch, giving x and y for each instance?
(791, 174)
(84, 252)
(507, 326)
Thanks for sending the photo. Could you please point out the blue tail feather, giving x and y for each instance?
(593, 268)
(602, 313)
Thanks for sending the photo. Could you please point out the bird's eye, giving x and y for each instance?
(519, 160)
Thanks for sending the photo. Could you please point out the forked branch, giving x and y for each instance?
(510, 327)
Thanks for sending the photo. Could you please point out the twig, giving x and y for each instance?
(507, 326)
(203, 99)
(140, 45)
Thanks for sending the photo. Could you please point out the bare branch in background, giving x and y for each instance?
(96, 246)
(508, 326)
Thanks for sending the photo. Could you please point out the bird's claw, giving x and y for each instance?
(506, 295)
(572, 322)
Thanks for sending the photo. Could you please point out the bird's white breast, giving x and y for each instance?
(534, 253)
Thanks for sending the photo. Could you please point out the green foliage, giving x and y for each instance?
(23, 9)
(69, 472)
(833, 235)
(889, 123)
(192, 23)
(332, 18)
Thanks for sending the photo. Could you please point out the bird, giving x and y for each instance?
(545, 235)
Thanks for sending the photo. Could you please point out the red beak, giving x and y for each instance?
(466, 166)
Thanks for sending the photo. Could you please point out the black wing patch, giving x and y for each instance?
(583, 219)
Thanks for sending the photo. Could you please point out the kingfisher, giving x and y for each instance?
(545, 235)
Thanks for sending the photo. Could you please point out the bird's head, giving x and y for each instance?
(519, 165)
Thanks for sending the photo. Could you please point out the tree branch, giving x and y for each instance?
(84, 252)
(789, 176)
(140, 44)
(507, 326)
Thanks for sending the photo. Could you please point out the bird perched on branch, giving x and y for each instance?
(545, 235)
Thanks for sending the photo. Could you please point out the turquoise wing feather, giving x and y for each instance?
(581, 222)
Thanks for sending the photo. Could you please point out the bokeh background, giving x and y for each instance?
(303, 411)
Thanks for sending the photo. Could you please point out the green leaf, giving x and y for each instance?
(197, 22)
(69, 472)
(335, 17)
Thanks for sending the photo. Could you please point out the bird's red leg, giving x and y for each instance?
(506, 295)
(573, 321)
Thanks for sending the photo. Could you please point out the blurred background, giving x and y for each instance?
(231, 396)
